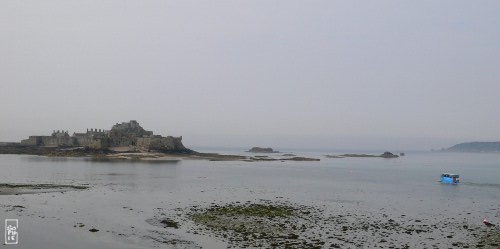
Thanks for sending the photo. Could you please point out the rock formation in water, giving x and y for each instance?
(262, 150)
(388, 154)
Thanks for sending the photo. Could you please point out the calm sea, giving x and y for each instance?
(123, 195)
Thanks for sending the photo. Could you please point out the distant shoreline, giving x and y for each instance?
(481, 147)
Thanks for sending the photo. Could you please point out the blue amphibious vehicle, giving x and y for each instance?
(450, 178)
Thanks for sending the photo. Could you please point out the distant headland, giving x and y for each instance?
(474, 147)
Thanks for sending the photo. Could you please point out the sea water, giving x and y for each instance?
(123, 195)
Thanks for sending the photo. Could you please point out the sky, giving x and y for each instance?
(404, 75)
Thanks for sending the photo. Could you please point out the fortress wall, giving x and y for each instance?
(55, 141)
(32, 141)
(82, 139)
(100, 143)
(49, 141)
(121, 135)
(85, 140)
(123, 141)
(161, 143)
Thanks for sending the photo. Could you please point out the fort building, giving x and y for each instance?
(126, 134)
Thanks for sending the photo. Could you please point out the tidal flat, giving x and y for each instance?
(348, 203)
(278, 224)
(25, 188)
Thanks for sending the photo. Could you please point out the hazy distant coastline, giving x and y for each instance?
(474, 147)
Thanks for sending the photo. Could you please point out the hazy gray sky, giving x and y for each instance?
(317, 74)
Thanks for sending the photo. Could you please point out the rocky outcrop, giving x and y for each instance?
(388, 154)
(262, 150)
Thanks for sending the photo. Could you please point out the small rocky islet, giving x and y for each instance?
(262, 150)
(386, 154)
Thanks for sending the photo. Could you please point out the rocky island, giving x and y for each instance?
(125, 136)
(124, 141)
(386, 154)
(262, 150)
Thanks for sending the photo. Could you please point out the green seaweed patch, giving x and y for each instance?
(258, 210)
(490, 240)
(265, 224)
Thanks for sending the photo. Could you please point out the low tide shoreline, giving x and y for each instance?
(229, 205)
(140, 155)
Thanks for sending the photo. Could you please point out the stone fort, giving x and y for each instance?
(126, 134)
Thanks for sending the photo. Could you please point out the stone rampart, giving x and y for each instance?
(160, 143)
(125, 134)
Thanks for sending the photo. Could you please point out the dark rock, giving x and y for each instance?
(299, 158)
(170, 223)
(333, 156)
(262, 150)
(388, 154)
